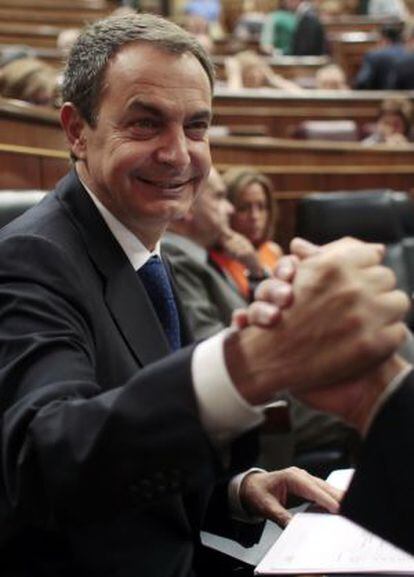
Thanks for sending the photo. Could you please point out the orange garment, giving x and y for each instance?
(269, 254)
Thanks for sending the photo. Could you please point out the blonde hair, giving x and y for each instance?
(237, 179)
(331, 77)
(28, 79)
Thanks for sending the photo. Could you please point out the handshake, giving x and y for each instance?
(327, 329)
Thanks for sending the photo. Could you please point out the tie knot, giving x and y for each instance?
(156, 281)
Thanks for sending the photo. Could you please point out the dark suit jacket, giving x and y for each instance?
(205, 294)
(381, 495)
(402, 75)
(309, 38)
(106, 468)
(377, 68)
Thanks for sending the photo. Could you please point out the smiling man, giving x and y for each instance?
(147, 153)
(111, 443)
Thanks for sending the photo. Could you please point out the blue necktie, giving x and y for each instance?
(155, 279)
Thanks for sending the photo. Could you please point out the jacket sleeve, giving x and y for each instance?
(72, 451)
(381, 495)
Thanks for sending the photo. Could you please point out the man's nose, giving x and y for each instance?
(173, 149)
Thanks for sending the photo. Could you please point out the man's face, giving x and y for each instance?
(148, 155)
(212, 210)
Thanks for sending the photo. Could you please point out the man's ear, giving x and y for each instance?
(74, 126)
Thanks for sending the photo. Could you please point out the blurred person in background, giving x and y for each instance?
(393, 125)
(331, 77)
(395, 8)
(378, 64)
(248, 69)
(246, 260)
(66, 39)
(310, 37)
(31, 80)
(278, 29)
(198, 27)
(402, 74)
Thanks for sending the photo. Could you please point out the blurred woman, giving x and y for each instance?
(247, 69)
(247, 254)
(394, 123)
(29, 79)
(331, 77)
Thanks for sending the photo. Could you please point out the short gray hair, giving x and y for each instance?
(99, 42)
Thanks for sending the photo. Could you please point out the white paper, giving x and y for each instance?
(323, 543)
(341, 478)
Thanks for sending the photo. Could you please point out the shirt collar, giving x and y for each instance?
(135, 251)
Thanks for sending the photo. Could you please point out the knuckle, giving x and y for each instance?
(295, 471)
(389, 276)
(370, 346)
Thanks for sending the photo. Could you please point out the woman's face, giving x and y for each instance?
(251, 213)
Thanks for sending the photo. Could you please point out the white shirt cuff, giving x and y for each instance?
(236, 508)
(224, 413)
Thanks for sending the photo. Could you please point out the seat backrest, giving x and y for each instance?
(14, 202)
(372, 216)
(368, 215)
(404, 205)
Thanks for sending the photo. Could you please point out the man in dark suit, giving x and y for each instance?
(377, 65)
(309, 38)
(402, 74)
(381, 407)
(206, 295)
(111, 446)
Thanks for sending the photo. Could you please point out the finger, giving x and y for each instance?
(380, 278)
(313, 489)
(393, 306)
(286, 268)
(349, 243)
(353, 253)
(390, 339)
(276, 292)
(239, 319)
(335, 493)
(262, 314)
(271, 508)
(303, 248)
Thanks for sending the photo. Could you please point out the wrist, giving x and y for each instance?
(253, 379)
(376, 389)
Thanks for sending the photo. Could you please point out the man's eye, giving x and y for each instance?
(145, 126)
(197, 129)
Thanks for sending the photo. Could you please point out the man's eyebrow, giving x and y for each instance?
(202, 115)
(138, 105)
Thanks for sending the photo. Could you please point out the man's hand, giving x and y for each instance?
(345, 320)
(265, 494)
(239, 247)
(272, 296)
(354, 401)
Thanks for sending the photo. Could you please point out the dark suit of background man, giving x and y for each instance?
(402, 74)
(111, 446)
(378, 64)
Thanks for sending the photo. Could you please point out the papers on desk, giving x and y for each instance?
(323, 543)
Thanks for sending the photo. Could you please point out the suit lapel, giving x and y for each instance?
(124, 293)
